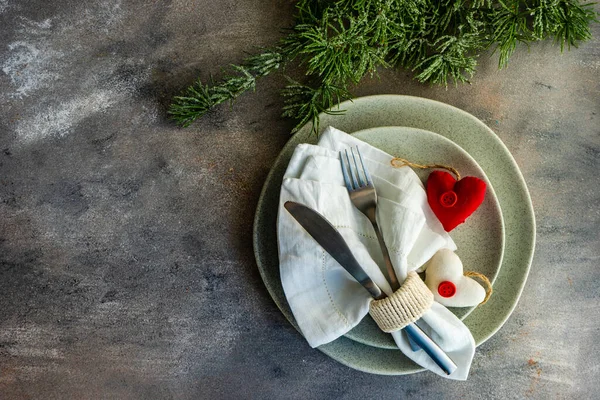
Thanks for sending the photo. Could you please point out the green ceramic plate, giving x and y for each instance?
(480, 241)
(489, 152)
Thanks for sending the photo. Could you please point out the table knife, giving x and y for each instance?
(333, 243)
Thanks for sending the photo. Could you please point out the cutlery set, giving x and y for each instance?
(364, 197)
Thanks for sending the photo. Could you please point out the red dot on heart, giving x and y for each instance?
(448, 199)
(446, 289)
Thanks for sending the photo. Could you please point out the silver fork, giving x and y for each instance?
(363, 196)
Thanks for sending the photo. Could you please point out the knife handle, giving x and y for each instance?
(431, 348)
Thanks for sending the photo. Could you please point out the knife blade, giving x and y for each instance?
(332, 241)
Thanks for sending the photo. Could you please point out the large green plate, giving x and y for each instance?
(487, 150)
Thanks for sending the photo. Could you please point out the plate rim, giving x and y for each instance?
(527, 255)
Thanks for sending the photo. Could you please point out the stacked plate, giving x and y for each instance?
(498, 240)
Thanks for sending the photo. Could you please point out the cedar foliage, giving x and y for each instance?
(339, 42)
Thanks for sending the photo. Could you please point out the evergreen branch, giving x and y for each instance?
(338, 42)
(199, 98)
(304, 103)
(567, 21)
(510, 26)
(573, 23)
(451, 60)
(335, 49)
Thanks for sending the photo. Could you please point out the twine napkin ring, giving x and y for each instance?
(404, 306)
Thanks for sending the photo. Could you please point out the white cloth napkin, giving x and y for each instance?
(325, 300)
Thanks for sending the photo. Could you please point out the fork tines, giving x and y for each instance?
(352, 175)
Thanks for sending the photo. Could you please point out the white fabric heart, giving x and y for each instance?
(444, 277)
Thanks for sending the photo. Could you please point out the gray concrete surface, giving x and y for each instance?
(126, 263)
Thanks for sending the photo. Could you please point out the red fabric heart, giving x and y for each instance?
(451, 201)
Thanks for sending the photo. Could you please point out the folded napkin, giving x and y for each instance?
(325, 300)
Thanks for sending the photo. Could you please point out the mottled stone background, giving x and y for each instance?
(126, 263)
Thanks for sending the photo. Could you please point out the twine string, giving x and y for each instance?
(488, 285)
(398, 162)
(404, 306)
